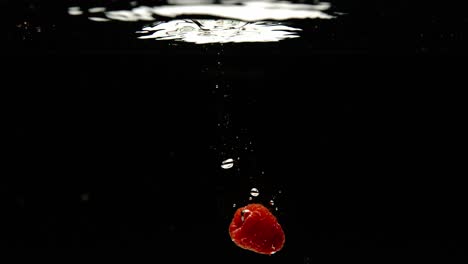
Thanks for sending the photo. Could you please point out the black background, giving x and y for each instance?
(358, 123)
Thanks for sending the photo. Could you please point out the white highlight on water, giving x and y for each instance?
(203, 31)
(96, 9)
(99, 19)
(255, 10)
(249, 11)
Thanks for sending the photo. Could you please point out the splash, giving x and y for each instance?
(203, 31)
(236, 10)
(249, 11)
(227, 21)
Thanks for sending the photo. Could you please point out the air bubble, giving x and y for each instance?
(74, 11)
(254, 192)
(227, 164)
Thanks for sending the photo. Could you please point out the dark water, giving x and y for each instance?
(114, 142)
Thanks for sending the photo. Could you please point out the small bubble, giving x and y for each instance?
(133, 3)
(276, 208)
(74, 11)
(227, 164)
(217, 86)
(272, 202)
(254, 192)
(250, 198)
(234, 205)
(280, 191)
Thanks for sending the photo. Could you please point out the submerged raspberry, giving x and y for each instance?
(255, 228)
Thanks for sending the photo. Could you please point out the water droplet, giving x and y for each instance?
(280, 191)
(133, 3)
(227, 164)
(276, 208)
(217, 86)
(254, 192)
(250, 198)
(234, 205)
(272, 202)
